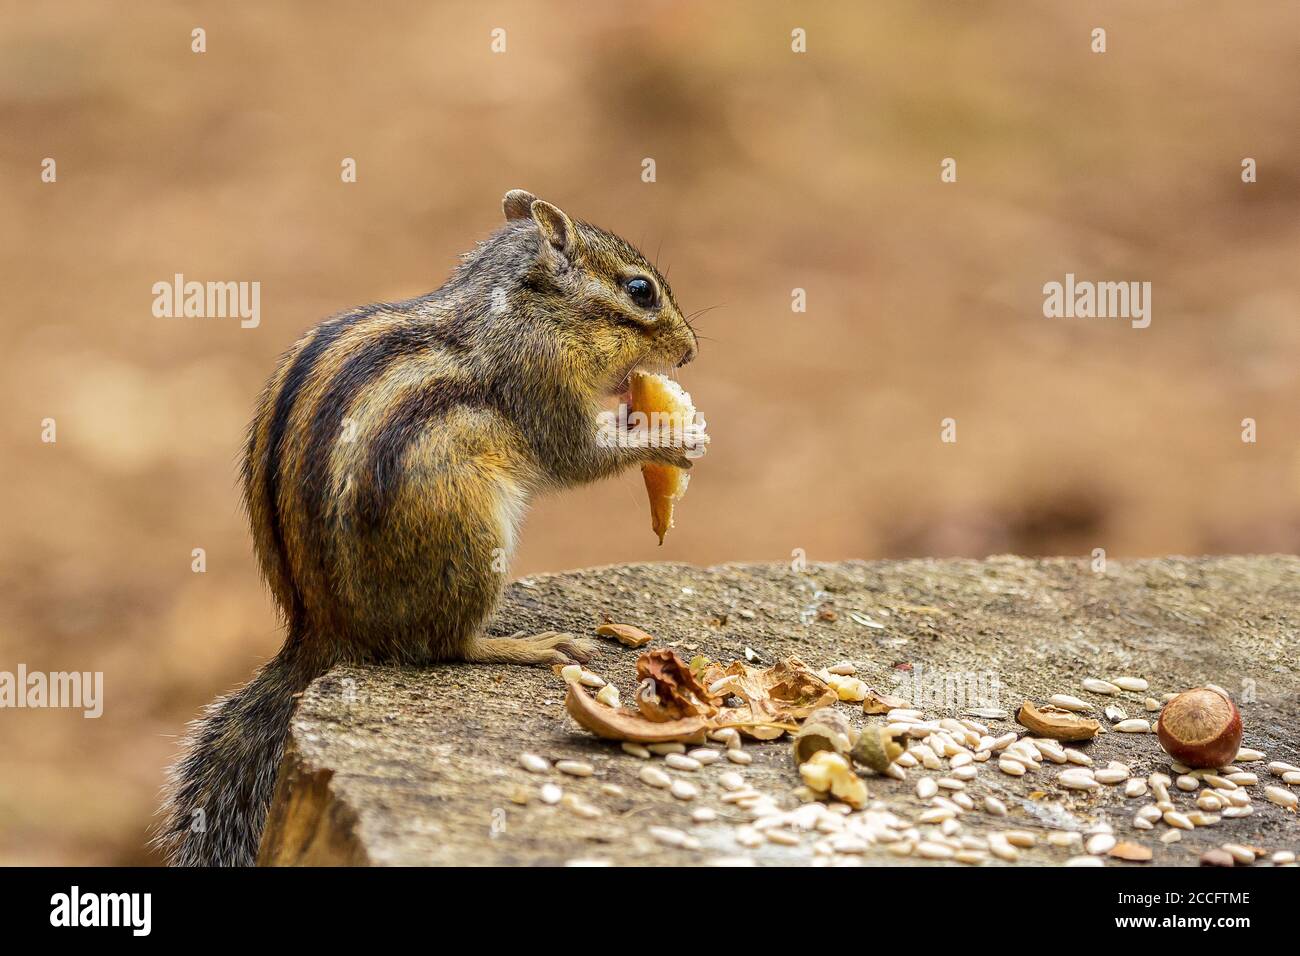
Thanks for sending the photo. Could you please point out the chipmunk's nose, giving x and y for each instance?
(692, 346)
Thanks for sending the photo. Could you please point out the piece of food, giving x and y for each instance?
(877, 747)
(825, 729)
(614, 723)
(1056, 722)
(1200, 728)
(669, 689)
(774, 700)
(877, 703)
(1133, 852)
(625, 634)
(828, 773)
(665, 484)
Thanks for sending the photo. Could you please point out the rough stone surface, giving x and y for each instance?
(419, 766)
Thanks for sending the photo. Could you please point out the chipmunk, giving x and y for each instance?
(389, 464)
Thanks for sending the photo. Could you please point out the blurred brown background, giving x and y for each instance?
(775, 171)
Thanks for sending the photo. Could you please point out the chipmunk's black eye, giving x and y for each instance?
(641, 291)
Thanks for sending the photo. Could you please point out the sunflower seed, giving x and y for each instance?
(903, 713)
(995, 806)
(1134, 725)
(1111, 775)
(665, 749)
(782, 837)
(934, 851)
(1098, 686)
(608, 696)
(1179, 820)
(936, 815)
(731, 780)
(1233, 813)
(1283, 857)
(1291, 777)
(636, 750)
(1099, 844)
(580, 807)
(1066, 702)
(1151, 704)
(1281, 796)
(552, 794)
(739, 756)
(1136, 787)
(1202, 819)
(1135, 684)
(705, 756)
(654, 777)
(1239, 853)
(926, 788)
(1279, 767)
(1085, 861)
(1243, 778)
(1021, 838)
(1114, 713)
(1209, 801)
(682, 762)
(533, 763)
(1052, 751)
(843, 669)
(1248, 755)
(1077, 778)
(1077, 757)
(670, 836)
(1187, 783)
(1171, 836)
(1013, 767)
(684, 790)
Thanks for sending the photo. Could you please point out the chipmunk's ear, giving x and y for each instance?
(556, 228)
(517, 204)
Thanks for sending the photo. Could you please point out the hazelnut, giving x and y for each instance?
(1200, 728)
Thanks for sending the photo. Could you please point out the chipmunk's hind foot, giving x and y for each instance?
(545, 649)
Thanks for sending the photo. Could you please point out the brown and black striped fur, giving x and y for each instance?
(390, 461)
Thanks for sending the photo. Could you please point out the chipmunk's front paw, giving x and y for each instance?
(679, 445)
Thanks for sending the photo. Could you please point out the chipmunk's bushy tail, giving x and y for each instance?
(220, 788)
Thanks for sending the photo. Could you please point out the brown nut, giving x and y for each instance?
(1057, 723)
(1200, 728)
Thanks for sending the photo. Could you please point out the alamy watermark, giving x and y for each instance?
(62, 689)
(628, 429)
(208, 300)
(948, 690)
(1082, 299)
